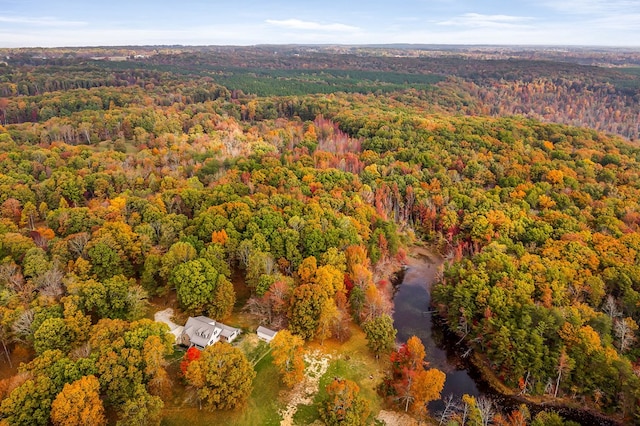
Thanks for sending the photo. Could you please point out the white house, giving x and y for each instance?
(266, 334)
(202, 332)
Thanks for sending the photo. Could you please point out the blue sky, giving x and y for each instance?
(117, 22)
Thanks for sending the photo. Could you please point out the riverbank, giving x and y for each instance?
(423, 267)
(567, 408)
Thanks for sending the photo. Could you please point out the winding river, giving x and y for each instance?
(412, 316)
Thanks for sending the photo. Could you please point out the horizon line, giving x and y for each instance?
(370, 45)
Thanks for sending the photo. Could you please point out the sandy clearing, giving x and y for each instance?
(303, 393)
(393, 418)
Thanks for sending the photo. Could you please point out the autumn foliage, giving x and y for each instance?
(175, 177)
(79, 404)
(410, 385)
(344, 405)
(192, 354)
(287, 351)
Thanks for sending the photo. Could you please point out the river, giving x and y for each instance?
(412, 317)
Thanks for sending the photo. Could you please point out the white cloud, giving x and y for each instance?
(486, 21)
(602, 15)
(45, 21)
(589, 7)
(297, 24)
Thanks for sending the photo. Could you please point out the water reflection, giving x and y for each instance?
(412, 317)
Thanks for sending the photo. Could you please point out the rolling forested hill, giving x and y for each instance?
(275, 185)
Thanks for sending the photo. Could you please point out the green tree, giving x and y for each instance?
(53, 333)
(196, 283)
(550, 418)
(105, 259)
(224, 298)
(381, 335)
(180, 252)
(141, 409)
(29, 216)
(29, 404)
(129, 355)
(306, 306)
(115, 297)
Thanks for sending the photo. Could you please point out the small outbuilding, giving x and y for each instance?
(266, 334)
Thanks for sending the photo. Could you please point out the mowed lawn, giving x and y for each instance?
(261, 409)
(351, 360)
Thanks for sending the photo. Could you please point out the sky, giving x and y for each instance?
(56, 23)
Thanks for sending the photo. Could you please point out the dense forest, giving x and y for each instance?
(276, 187)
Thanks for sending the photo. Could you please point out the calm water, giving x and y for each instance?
(412, 317)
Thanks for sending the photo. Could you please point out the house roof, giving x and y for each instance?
(204, 319)
(202, 329)
(226, 330)
(266, 331)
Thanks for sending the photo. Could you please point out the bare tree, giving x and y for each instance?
(50, 282)
(525, 385)
(21, 327)
(77, 243)
(610, 307)
(260, 307)
(11, 276)
(463, 328)
(406, 396)
(244, 251)
(464, 411)
(449, 408)
(6, 336)
(486, 410)
(549, 388)
(269, 264)
(82, 351)
(85, 128)
(625, 329)
(563, 366)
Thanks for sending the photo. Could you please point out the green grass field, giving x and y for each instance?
(261, 409)
(351, 360)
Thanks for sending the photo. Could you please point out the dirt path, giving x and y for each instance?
(394, 418)
(303, 393)
(165, 317)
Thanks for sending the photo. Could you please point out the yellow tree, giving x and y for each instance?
(416, 354)
(307, 270)
(427, 387)
(79, 404)
(414, 386)
(222, 377)
(287, 357)
(329, 316)
(344, 405)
